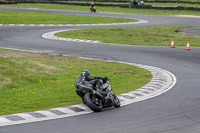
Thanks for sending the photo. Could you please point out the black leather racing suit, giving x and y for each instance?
(97, 82)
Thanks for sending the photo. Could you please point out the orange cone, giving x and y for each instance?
(172, 44)
(188, 46)
(3, 23)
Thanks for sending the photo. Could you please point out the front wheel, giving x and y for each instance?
(116, 101)
(93, 102)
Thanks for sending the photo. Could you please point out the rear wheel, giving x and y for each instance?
(93, 102)
(116, 101)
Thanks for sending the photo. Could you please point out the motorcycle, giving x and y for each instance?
(93, 9)
(93, 98)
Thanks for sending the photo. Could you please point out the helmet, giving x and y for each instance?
(91, 4)
(85, 73)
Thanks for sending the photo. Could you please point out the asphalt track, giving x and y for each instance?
(193, 31)
(176, 111)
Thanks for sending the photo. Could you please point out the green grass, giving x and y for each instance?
(146, 3)
(161, 0)
(109, 9)
(21, 17)
(177, 0)
(88, 2)
(34, 81)
(174, 4)
(149, 36)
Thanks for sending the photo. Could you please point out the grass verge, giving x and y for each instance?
(149, 36)
(34, 81)
(109, 9)
(174, 4)
(22, 17)
(146, 3)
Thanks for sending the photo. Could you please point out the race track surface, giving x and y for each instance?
(193, 31)
(176, 111)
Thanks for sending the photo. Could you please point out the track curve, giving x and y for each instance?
(192, 31)
(175, 111)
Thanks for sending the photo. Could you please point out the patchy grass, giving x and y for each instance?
(26, 17)
(34, 81)
(149, 36)
(108, 9)
(145, 3)
(174, 4)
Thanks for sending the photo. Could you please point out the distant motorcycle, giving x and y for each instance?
(93, 9)
(94, 99)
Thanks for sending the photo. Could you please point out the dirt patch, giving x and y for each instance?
(31, 60)
(4, 81)
(124, 71)
(46, 68)
(14, 53)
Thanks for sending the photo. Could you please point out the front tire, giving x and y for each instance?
(93, 102)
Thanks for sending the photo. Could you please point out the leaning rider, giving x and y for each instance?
(96, 81)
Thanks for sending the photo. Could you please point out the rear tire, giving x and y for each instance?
(116, 101)
(93, 102)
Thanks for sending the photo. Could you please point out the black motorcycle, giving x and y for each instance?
(93, 98)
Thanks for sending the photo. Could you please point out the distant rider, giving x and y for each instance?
(92, 7)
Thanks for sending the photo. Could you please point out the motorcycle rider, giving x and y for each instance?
(96, 82)
(92, 7)
(93, 80)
